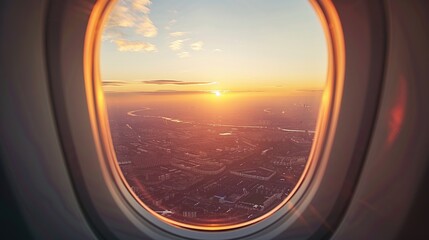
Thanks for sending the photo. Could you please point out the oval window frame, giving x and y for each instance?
(333, 35)
(112, 213)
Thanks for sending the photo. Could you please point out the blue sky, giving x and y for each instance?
(206, 45)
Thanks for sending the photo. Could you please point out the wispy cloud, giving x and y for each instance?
(113, 83)
(176, 82)
(183, 55)
(177, 44)
(147, 28)
(134, 46)
(197, 46)
(120, 16)
(170, 92)
(130, 15)
(142, 5)
(160, 92)
(178, 34)
(309, 90)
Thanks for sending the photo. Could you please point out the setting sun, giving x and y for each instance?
(217, 93)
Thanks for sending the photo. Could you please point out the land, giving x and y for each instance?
(202, 165)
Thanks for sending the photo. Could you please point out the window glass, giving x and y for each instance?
(212, 105)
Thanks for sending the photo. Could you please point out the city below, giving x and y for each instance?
(196, 163)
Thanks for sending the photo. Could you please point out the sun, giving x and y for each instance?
(217, 93)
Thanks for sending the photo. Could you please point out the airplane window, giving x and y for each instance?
(213, 105)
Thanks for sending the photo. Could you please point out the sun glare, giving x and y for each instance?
(217, 93)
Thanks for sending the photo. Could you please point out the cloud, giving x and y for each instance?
(183, 55)
(178, 34)
(217, 50)
(177, 44)
(197, 46)
(113, 83)
(120, 17)
(176, 82)
(142, 5)
(130, 16)
(147, 28)
(112, 35)
(159, 92)
(134, 46)
(170, 92)
(309, 90)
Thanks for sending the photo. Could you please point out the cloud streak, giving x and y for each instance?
(175, 82)
(197, 46)
(183, 55)
(113, 83)
(178, 34)
(177, 44)
(169, 92)
(134, 46)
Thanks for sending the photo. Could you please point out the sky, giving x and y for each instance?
(213, 45)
